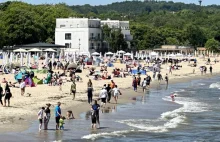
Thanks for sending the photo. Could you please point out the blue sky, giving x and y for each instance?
(98, 2)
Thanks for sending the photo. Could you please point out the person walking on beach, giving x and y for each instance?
(108, 88)
(40, 115)
(22, 86)
(90, 90)
(170, 70)
(60, 82)
(116, 92)
(1, 94)
(112, 84)
(103, 95)
(57, 114)
(73, 89)
(134, 84)
(8, 94)
(144, 85)
(47, 116)
(210, 69)
(95, 114)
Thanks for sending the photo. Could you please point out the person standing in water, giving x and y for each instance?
(159, 77)
(210, 69)
(40, 115)
(108, 88)
(57, 114)
(47, 116)
(95, 114)
(116, 92)
(90, 90)
(166, 79)
(144, 85)
(73, 89)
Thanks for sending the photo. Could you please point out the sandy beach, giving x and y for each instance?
(24, 109)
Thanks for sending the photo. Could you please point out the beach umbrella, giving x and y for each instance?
(49, 50)
(35, 50)
(127, 54)
(121, 52)
(95, 54)
(72, 66)
(20, 50)
(109, 53)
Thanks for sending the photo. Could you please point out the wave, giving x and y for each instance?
(215, 85)
(99, 135)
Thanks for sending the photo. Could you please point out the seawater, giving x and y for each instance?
(193, 117)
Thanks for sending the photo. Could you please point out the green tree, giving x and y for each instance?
(172, 41)
(212, 45)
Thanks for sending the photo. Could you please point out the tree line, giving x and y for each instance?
(152, 24)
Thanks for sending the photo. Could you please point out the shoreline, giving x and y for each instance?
(81, 105)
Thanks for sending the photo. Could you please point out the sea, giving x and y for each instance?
(194, 116)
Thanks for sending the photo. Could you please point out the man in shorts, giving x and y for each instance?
(57, 115)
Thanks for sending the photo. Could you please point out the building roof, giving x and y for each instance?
(40, 45)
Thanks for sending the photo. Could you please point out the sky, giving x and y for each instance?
(103, 2)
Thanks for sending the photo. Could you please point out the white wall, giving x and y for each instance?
(76, 34)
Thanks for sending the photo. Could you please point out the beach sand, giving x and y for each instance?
(24, 109)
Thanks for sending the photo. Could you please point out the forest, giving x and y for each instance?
(152, 24)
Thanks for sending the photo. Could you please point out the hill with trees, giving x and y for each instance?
(152, 23)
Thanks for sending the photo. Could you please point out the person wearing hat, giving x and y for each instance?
(47, 116)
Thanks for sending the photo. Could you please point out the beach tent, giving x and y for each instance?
(20, 50)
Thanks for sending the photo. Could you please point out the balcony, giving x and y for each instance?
(95, 38)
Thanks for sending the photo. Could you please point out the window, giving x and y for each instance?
(98, 35)
(92, 46)
(67, 36)
(67, 45)
(98, 45)
(62, 26)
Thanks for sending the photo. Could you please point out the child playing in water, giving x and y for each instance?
(61, 122)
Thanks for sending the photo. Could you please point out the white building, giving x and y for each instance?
(83, 34)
